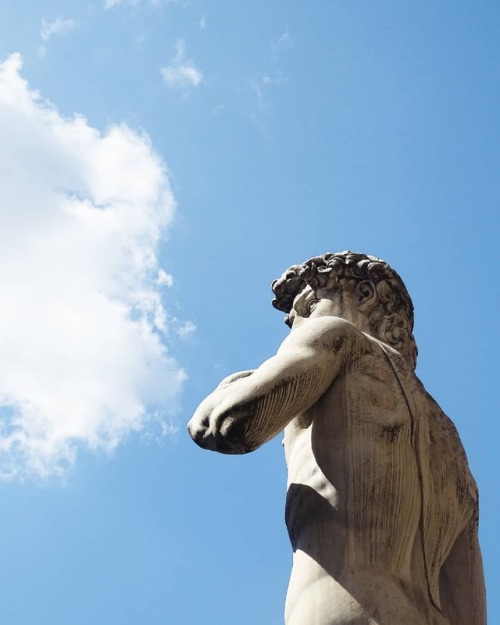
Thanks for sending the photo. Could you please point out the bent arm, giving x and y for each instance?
(462, 590)
(243, 414)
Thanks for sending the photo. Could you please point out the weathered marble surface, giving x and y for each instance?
(382, 510)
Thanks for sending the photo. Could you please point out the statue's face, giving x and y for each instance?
(310, 304)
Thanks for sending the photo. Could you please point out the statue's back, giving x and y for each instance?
(379, 494)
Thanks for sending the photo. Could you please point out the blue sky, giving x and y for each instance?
(161, 163)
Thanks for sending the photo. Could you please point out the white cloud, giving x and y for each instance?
(181, 73)
(282, 43)
(81, 317)
(275, 81)
(261, 87)
(108, 4)
(58, 26)
(202, 24)
(112, 3)
(164, 278)
(186, 328)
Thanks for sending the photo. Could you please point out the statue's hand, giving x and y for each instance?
(199, 425)
(208, 427)
(215, 427)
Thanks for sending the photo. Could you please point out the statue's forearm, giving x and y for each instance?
(245, 412)
(238, 419)
(228, 419)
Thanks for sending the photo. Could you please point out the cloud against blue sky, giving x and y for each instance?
(82, 314)
(181, 72)
(283, 130)
(59, 26)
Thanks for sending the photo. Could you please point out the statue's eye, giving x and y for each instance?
(304, 305)
(311, 305)
(290, 318)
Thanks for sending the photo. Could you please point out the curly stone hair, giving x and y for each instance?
(391, 320)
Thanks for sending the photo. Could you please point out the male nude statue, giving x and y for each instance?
(381, 508)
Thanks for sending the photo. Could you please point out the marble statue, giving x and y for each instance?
(381, 508)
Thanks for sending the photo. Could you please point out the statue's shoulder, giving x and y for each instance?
(329, 333)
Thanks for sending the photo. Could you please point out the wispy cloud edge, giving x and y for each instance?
(181, 73)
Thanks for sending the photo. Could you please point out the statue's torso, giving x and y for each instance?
(357, 492)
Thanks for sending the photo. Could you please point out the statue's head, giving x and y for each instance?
(360, 288)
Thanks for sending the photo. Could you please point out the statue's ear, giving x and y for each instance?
(367, 295)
